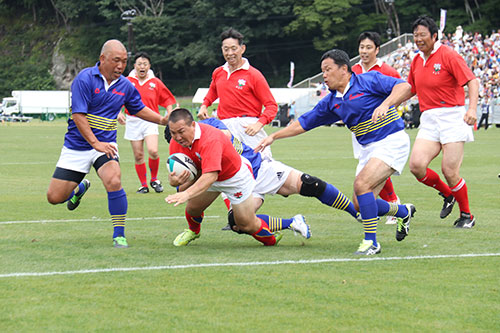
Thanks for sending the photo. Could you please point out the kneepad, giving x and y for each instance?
(311, 186)
(232, 224)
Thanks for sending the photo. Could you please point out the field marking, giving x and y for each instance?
(235, 264)
(100, 219)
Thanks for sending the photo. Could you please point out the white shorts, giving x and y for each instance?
(271, 177)
(136, 129)
(393, 150)
(356, 147)
(79, 160)
(237, 128)
(239, 187)
(445, 125)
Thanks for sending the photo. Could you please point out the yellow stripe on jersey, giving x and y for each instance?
(237, 145)
(101, 123)
(367, 126)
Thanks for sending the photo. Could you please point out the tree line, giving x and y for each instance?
(182, 36)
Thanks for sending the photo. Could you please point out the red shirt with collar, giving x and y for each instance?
(153, 93)
(211, 151)
(379, 66)
(439, 80)
(241, 93)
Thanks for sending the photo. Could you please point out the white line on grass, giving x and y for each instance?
(256, 263)
(101, 219)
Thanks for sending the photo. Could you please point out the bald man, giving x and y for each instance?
(98, 94)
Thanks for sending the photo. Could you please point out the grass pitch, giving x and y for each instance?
(59, 271)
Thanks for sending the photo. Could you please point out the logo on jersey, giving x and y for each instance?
(279, 174)
(437, 69)
(152, 85)
(241, 84)
(116, 92)
(351, 97)
(238, 195)
(198, 155)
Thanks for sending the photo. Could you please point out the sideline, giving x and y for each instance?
(236, 264)
(100, 219)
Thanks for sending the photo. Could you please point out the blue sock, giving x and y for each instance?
(117, 206)
(79, 189)
(386, 208)
(275, 223)
(368, 209)
(336, 199)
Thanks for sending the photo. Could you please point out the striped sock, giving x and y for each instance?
(336, 199)
(264, 235)
(117, 206)
(390, 209)
(275, 223)
(368, 209)
(432, 179)
(460, 193)
(78, 189)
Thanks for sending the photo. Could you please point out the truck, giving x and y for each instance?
(44, 104)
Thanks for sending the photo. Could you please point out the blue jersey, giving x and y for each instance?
(101, 107)
(365, 93)
(242, 149)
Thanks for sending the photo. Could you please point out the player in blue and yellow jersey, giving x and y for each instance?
(365, 103)
(98, 94)
(273, 177)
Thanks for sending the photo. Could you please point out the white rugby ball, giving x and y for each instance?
(179, 162)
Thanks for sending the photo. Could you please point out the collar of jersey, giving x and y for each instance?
(437, 45)
(197, 133)
(95, 71)
(245, 66)
(149, 76)
(378, 63)
(341, 94)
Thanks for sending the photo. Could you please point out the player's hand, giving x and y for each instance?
(177, 198)
(470, 117)
(122, 119)
(203, 112)
(379, 113)
(263, 144)
(109, 148)
(253, 129)
(164, 120)
(177, 180)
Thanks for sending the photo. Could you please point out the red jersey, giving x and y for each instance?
(153, 93)
(211, 151)
(241, 93)
(379, 66)
(439, 80)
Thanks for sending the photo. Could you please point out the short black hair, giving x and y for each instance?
(339, 57)
(142, 55)
(371, 35)
(427, 22)
(231, 33)
(180, 114)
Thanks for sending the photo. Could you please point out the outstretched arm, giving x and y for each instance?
(294, 129)
(400, 93)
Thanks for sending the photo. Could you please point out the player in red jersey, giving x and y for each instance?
(223, 170)
(153, 93)
(438, 75)
(369, 47)
(242, 91)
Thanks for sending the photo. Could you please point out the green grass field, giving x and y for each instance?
(59, 271)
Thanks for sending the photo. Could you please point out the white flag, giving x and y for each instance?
(292, 73)
(442, 21)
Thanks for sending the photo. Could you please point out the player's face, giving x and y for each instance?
(113, 63)
(368, 52)
(423, 39)
(233, 52)
(333, 74)
(142, 66)
(182, 133)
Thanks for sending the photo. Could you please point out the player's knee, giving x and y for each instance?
(311, 186)
(54, 198)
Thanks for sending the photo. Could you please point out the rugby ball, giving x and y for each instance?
(179, 162)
